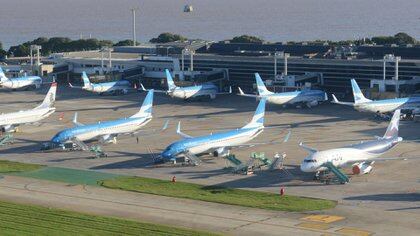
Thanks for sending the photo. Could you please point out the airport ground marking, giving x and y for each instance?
(323, 218)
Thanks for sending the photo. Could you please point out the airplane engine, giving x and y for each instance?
(312, 103)
(125, 91)
(8, 129)
(221, 152)
(362, 168)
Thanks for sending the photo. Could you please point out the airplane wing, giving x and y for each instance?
(72, 86)
(241, 93)
(274, 141)
(384, 159)
(138, 133)
(154, 90)
(308, 149)
(230, 91)
(178, 131)
(335, 100)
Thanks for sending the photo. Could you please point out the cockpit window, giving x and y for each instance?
(309, 160)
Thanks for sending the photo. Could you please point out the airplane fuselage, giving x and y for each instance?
(92, 131)
(121, 85)
(22, 82)
(22, 117)
(342, 157)
(305, 96)
(194, 91)
(210, 143)
(389, 105)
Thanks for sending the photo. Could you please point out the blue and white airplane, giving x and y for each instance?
(115, 87)
(380, 106)
(105, 132)
(218, 144)
(308, 97)
(20, 82)
(206, 89)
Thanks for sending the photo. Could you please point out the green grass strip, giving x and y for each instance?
(21, 219)
(11, 166)
(218, 194)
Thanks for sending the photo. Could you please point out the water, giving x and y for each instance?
(272, 20)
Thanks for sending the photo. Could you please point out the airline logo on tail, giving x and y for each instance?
(392, 130)
(86, 82)
(262, 90)
(146, 107)
(169, 80)
(357, 93)
(258, 118)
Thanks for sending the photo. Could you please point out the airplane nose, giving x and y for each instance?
(305, 167)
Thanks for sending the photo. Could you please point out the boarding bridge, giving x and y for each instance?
(6, 139)
(343, 178)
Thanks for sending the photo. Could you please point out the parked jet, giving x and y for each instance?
(20, 82)
(380, 106)
(10, 121)
(105, 132)
(119, 86)
(307, 97)
(207, 89)
(361, 156)
(219, 144)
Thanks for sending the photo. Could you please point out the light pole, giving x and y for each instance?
(133, 10)
(397, 85)
(286, 55)
(187, 51)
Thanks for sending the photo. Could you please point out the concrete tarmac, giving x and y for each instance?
(376, 201)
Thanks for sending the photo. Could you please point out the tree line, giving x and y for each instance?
(64, 44)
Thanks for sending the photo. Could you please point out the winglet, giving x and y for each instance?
(142, 87)
(75, 120)
(335, 100)
(179, 132)
(240, 91)
(308, 149)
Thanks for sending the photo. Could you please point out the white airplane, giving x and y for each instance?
(380, 106)
(105, 132)
(10, 121)
(308, 97)
(360, 156)
(207, 89)
(119, 86)
(20, 82)
(218, 144)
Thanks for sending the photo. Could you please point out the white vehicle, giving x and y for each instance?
(120, 86)
(360, 156)
(380, 106)
(306, 97)
(10, 121)
(207, 89)
(20, 82)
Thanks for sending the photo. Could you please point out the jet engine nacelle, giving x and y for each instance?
(221, 152)
(362, 168)
(8, 129)
(312, 103)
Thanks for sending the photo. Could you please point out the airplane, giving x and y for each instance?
(206, 89)
(10, 121)
(360, 156)
(380, 106)
(20, 82)
(308, 97)
(105, 132)
(119, 86)
(219, 144)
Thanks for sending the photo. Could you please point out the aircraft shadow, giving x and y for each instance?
(397, 197)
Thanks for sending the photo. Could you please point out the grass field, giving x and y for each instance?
(218, 194)
(10, 166)
(17, 219)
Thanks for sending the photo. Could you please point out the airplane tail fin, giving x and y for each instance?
(258, 118)
(2, 75)
(146, 107)
(49, 99)
(262, 90)
(357, 93)
(86, 81)
(392, 130)
(169, 80)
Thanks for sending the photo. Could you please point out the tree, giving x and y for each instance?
(167, 38)
(3, 53)
(403, 38)
(246, 39)
(126, 42)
